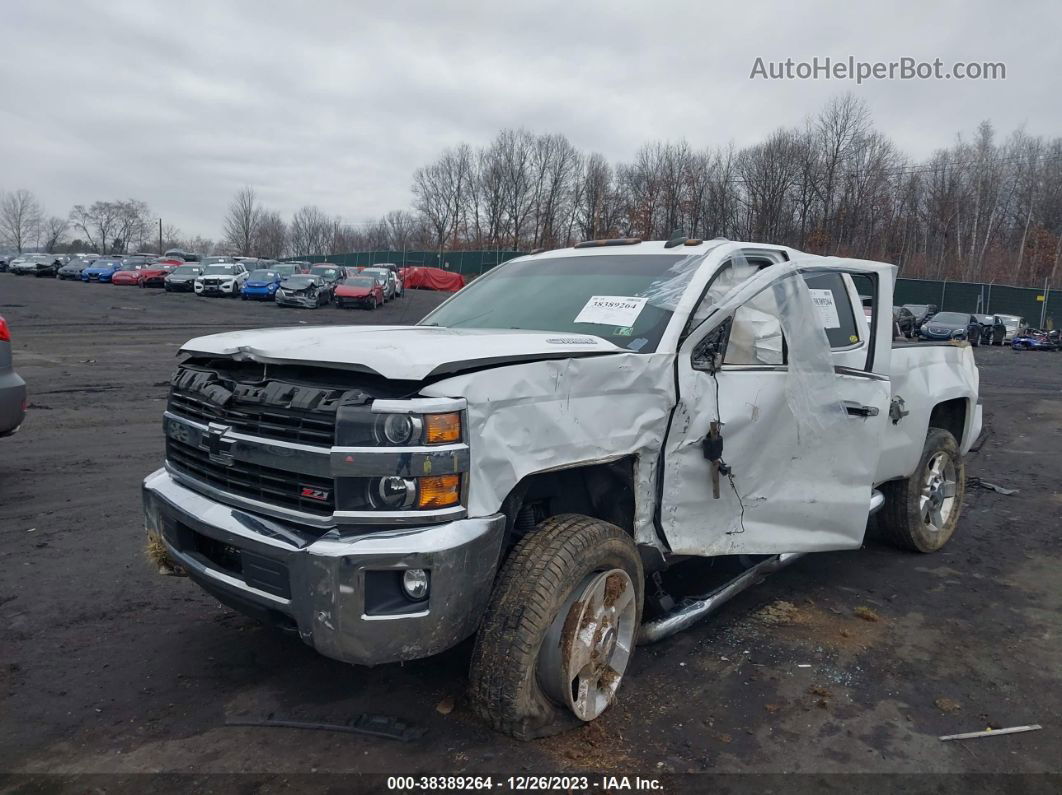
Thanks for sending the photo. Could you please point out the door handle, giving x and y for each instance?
(856, 410)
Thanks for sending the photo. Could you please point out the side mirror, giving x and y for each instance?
(708, 354)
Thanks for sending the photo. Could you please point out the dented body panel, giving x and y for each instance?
(813, 409)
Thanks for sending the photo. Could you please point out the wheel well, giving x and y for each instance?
(603, 491)
(950, 416)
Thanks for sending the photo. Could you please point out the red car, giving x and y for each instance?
(359, 290)
(149, 275)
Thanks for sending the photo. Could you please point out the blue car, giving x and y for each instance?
(260, 285)
(1033, 340)
(101, 270)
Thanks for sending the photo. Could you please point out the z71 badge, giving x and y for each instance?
(321, 495)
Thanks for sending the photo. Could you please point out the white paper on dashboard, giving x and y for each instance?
(611, 310)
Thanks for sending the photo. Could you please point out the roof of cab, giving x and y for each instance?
(656, 247)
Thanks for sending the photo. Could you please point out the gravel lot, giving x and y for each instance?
(106, 666)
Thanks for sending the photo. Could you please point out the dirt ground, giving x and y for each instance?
(847, 662)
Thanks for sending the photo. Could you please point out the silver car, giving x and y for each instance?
(12, 388)
(1013, 325)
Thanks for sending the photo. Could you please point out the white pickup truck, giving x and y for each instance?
(527, 461)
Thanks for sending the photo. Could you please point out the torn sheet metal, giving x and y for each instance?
(558, 414)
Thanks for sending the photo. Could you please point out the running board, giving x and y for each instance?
(877, 499)
(692, 609)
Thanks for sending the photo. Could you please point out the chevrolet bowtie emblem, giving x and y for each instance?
(219, 447)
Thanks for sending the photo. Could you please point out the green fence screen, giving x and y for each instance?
(1039, 307)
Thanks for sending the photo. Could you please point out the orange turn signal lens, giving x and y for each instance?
(440, 491)
(442, 428)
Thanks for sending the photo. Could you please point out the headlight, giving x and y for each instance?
(399, 494)
(393, 493)
(399, 430)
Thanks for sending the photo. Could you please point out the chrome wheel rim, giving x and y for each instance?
(937, 501)
(589, 644)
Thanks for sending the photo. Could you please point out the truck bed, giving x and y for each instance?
(924, 375)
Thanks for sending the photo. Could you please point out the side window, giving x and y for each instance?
(830, 297)
(730, 275)
(756, 333)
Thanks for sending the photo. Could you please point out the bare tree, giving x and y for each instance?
(20, 218)
(310, 232)
(53, 232)
(242, 221)
(134, 225)
(98, 222)
(272, 236)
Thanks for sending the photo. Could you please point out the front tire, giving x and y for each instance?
(560, 629)
(921, 513)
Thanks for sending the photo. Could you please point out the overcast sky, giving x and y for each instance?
(335, 103)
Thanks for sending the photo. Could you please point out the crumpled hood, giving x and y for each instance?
(406, 353)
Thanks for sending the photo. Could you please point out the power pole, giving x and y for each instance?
(160, 237)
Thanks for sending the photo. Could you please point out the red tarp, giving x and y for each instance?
(432, 279)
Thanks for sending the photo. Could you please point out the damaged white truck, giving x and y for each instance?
(526, 462)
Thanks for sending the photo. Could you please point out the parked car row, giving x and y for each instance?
(299, 284)
(927, 323)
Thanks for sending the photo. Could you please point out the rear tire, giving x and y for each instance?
(921, 513)
(557, 584)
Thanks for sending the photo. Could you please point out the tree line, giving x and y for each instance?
(985, 208)
(982, 209)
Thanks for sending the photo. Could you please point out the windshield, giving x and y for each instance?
(131, 266)
(186, 270)
(262, 276)
(916, 309)
(216, 260)
(324, 271)
(951, 317)
(301, 280)
(359, 281)
(216, 269)
(627, 300)
(286, 270)
(106, 263)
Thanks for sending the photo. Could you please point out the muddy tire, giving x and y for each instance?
(921, 513)
(569, 598)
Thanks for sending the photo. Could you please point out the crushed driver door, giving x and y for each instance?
(775, 438)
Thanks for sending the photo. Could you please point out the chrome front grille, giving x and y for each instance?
(265, 484)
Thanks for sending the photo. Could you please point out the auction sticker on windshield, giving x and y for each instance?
(611, 310)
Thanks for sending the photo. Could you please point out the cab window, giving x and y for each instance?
(829, 294)
(756, 333)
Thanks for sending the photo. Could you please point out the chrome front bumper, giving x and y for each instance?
(318, 584)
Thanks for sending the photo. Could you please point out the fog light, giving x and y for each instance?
(415, 583)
